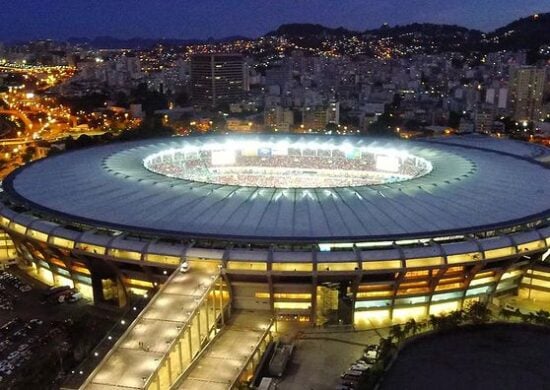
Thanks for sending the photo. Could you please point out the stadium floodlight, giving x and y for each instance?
(387, 163)
(247, 144)
(346, 147)
(223, 157)
(284, 143)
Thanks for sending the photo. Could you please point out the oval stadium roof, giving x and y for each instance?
(470, 188)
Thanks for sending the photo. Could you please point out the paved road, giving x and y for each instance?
(322, 355)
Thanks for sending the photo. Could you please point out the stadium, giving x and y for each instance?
(309, 228)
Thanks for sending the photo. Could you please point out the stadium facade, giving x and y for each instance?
(384, 229)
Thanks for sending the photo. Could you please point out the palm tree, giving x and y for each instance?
(385, 349)
(456, 317)
(411, 327)
(434, 321)
(478, 313)
(397, 332)
(542, 317)
(423, 324)
(505, 314)
(529, 318)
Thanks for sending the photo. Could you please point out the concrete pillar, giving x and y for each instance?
(221, 301)
(180, 353)
(169, 365)
(207, 315)
(189, 342)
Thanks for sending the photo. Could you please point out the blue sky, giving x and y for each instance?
(59, 19)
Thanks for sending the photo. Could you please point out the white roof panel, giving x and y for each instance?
(474, 186)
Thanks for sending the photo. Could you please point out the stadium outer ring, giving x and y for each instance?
(417, 271)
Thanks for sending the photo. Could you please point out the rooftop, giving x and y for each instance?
(475, 184)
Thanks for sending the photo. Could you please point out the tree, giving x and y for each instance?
(83, 141)
(384, 126)
(386, 349)
(505, 314)
(413, 124)
(435, 321)
(456, 317)
(28, 154)
(121, 99)
(85, 103)
(457, 62)
(542, 317)
(150, 127)
(477, 313)
(411, 327)
(528, 318)
(182, 98)
(150, 100)
(396, 332)
(396, 101)
(331, 126)
(454, 119)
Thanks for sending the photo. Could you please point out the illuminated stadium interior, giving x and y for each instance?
(288, 165)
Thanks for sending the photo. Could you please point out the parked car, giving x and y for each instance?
(371, 354)
(360, 367)
(184, 267)
(75, 297)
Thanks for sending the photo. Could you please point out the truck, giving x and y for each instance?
(280, 359)
(61, 296)
(51, 294)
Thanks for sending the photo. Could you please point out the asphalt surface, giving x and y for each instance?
(501, 356)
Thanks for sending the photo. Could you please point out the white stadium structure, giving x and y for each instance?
(313, 228)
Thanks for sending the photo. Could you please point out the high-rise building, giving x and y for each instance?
(217, 78)
(317, 117)
(333, 112)
(314, 117)
(498, 97)
(278, 118)
(483, 119)
(526, 92)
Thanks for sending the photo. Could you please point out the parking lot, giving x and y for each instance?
(23, 297)
(37, 338)
(10, 287)
(322, 355)
(19, 339)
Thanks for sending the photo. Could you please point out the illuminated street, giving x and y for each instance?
(39, 117)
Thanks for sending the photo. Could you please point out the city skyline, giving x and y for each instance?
(194, 194)
(185, 19)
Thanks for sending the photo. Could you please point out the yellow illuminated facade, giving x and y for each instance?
(378, 286)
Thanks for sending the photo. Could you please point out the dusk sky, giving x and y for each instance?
(60, 19)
